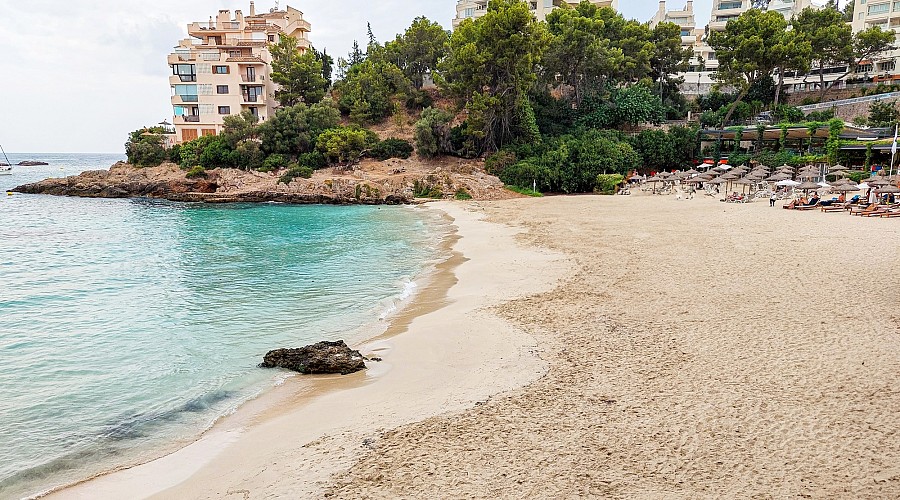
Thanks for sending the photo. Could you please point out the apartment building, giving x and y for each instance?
(886, 15)
(790, 8)
(223, 68)
(466, 9)
(724, 11)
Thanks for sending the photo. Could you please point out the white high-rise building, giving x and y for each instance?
(223, 68)
(467, 9)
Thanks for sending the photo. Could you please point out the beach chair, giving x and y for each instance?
(859, 209)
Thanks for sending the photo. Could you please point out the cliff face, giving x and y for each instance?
(391, 182)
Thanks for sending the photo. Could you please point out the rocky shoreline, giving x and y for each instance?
(374, 183)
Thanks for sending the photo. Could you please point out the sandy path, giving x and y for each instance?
(699, 350)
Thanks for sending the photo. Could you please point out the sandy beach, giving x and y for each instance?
(597, 346)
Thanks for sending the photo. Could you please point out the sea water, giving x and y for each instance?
(127, 325)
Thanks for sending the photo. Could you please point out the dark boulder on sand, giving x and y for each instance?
(32, 163)
(323, 357)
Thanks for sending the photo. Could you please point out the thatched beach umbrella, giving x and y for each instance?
(778, 177)
(691, 172)
(845, 188)
(809, 186)
(877, 182)
(890, 188)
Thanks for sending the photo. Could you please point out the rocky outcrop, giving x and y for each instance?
(323, 357)
(391, 182)
(32, 163)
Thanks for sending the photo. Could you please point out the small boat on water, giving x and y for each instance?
(6, 168)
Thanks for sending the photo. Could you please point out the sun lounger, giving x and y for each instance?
(859, 210)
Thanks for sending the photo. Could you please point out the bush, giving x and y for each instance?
(295, 171)
(196, 172)
(274, 162)
(788, 114)
(609, 183)
(496, 163)
(145, 148)
(314, 160)
(432, 132)
(294, 130)
(345, 145)
(423, 189)
(525, 191)
(391, 148)
(462, 194)
(820, 116)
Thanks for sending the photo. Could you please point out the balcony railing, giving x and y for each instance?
(189, 98)
(187, 78)
(251, 98)
(248, 78)
(192, 118)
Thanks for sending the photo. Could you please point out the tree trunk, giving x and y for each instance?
(735, 103)
(778, 88)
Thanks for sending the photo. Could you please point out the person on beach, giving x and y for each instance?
(772, 198)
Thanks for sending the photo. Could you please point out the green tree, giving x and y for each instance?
(491, 66)
(294, 130)
(418, 50)
(145, 148)
(239, 128)
(370, 90)
(299, 74)
(432, 132)
(883, 114)
(745, 50)
(656, 149)
(579, 51)
(669, 57)
(345, 145)
(833, 43)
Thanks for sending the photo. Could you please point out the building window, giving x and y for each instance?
(888, 66)
(896, 7)
(208, 131)
(271, 38)
(185, 72)
(188, 134)
(221, 89)
(880, 8)
(729, 5)
(469, 12)
(224, 110)
(548, 4)
(220, 70)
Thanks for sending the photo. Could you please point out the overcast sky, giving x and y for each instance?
(78, 75)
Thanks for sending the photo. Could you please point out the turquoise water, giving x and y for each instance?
(129, 324)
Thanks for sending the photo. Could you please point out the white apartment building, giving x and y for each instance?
(466, 9)
(726, 10)
(223, 68)
(886, 15)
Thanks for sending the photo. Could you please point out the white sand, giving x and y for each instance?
(691, 349)
(287, 444)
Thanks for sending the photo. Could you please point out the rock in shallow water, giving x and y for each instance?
(323, 357)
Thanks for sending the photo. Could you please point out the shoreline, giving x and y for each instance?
(196, 469)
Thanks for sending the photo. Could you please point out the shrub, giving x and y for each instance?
(196, 172)
(525, 191)
(345, 145)
(608, 183)
(145, 148)
(423, 189)
(295, 171)
(274, 162)
(391, 148)
(462, 194)
(432, 132)
(314, 160)
(496, 163)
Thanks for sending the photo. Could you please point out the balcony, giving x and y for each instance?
(191, 118)
(185, 98)
(252, 99)
(248, 78)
